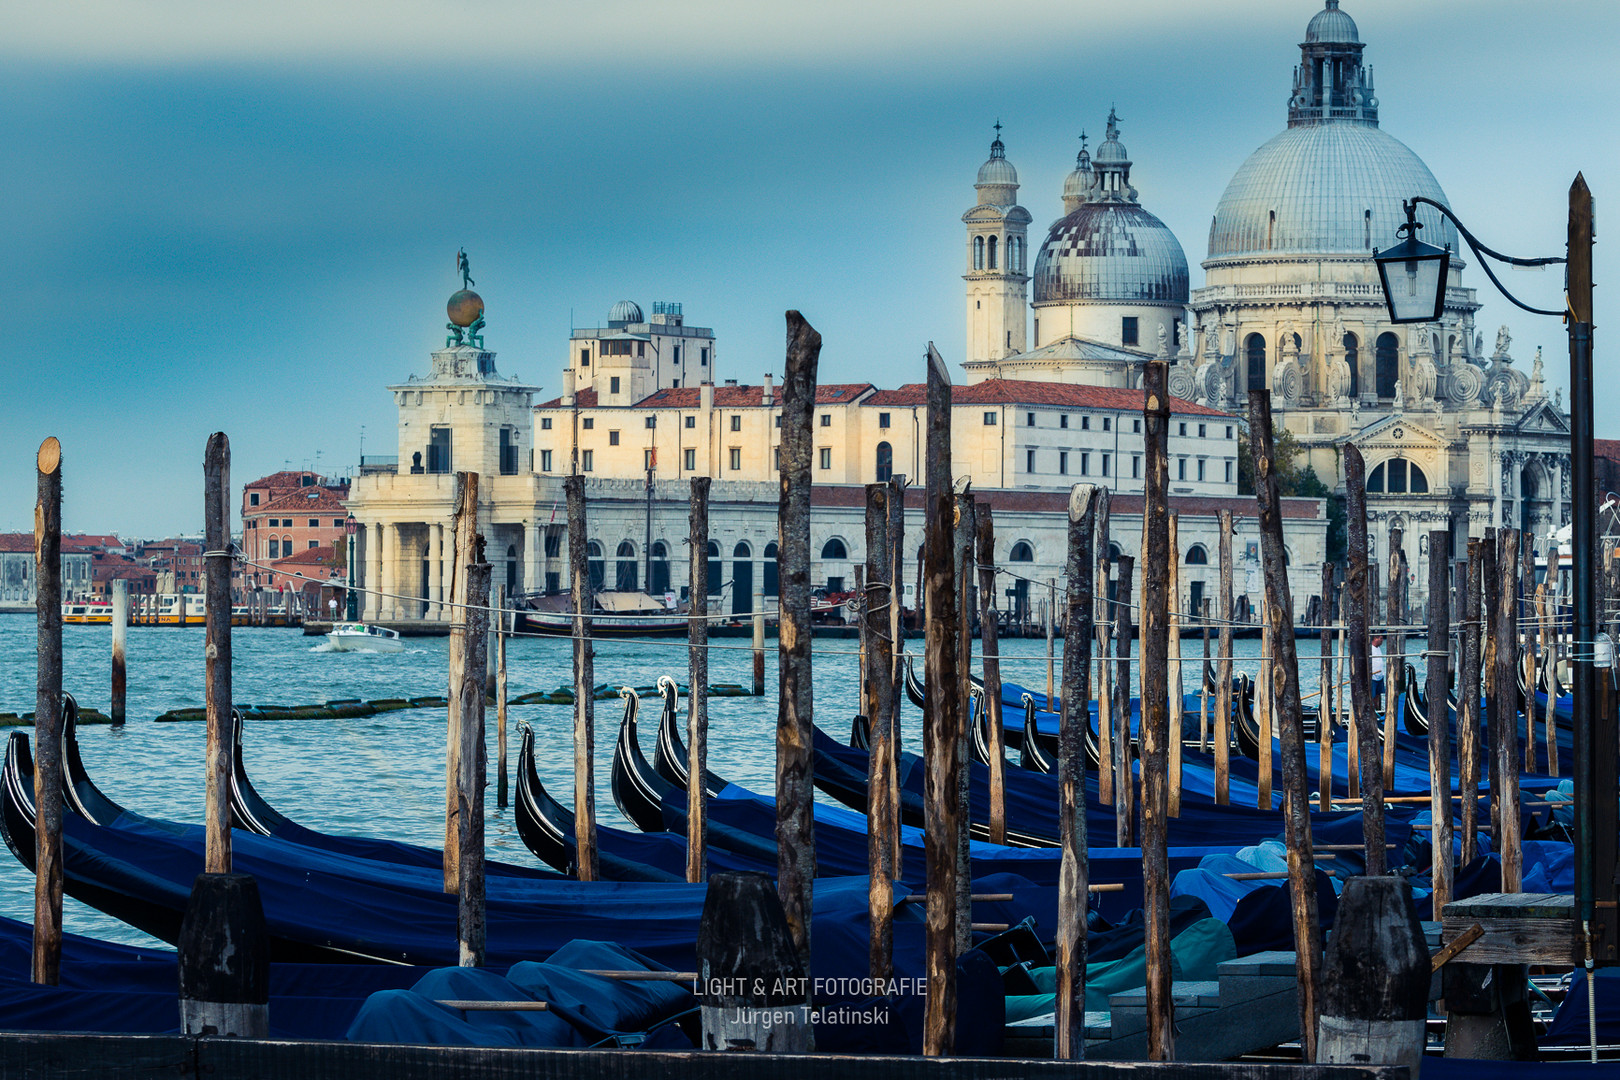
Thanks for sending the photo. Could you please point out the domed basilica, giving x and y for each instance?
(1456, 436)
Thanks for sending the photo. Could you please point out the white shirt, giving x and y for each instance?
(1378, 661)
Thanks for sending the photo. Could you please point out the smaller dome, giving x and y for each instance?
(1078, 184)
(998, 170)
(625, 311)
(1333, 26)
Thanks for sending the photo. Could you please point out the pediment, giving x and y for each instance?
(1396, 432)
(1542, 418)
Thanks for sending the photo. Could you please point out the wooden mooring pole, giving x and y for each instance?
(470, 776)
(1395, 651)
(1361, 706)
(1155, 724)
(1438, 656)
(467, 547)
(943, 723)
(1223, 669)
(1124, 776)
(1074, 872)
(1468, 705)
(1324, 703)
(965, 532)
(877, 699)
(990, 646)
(795, 765)
(1106, 620)
(120, 632)
(217, 613)
(1504, 719)
(501, 634)
(897, 631)
(1283, 692)
(588, 866)
(47, 963)
(1177, 690)
(697, 678)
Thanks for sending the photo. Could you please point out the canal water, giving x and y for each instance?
(384, 775)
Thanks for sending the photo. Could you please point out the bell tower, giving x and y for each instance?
(997, 262)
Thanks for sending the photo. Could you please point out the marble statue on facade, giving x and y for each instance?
(1505, 387)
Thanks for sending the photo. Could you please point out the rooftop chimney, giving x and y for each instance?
(766, 395)
(706, 397)
(568, 387)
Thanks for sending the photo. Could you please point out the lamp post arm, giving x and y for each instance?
(1483, 252)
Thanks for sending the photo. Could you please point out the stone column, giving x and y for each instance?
(389, 581)
(435, 559)
(1558, 493)
(532, 580)
(374, 544)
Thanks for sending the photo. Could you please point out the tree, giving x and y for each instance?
(1295, 479)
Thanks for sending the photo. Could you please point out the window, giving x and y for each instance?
(585, 459)
(253, 498)
(649, 459)
(834, 549)
(704, 354)
(1029, 461)
(1228, 431)
(314, 523)
(826, 419)
(1085, 423)
(613, 385)
(1105, 464)
(736, 459)
(1228, 472)
(1352, 356)
(1386, 364)
(1136, 427)
(677, 354)
(778, 420)
(690, 422)
(658, 571)
(595, 570)
(438, 450)
(989, 419)
(314, 543)
(978, 253)
(736, 422)
(1181, 468)
(826, 457)
(1136, 466)
(991, 262)
(1200, 470)
(883, 419)
(776, 458)
(1397, 476)
(1063, 421)
(689, 459)
(1255, 352)
(337, 523)
(545, 461)
(1085, 464)
(588, 423)
(1200, 431)
(1029, 419)
(509, 451)
(545, 423)
(773, 582)
(641, 348)
(1182, 431)
(885, 462)
(1197, 556)
(652, 422)
(1022, 552)
(1127, 330)
(624, 573)
(613, 438)
(275, 548)
(1063, 463)
(1108, 423)
(584, 358)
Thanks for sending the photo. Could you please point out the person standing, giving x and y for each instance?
(1378, 669)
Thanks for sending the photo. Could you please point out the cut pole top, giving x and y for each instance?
(936, 365)
(50, 455)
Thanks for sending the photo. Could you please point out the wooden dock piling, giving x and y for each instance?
(897, 634)
(467, 548)
(47, 961)
(963, 538)
(501, 634)
(1223, 668)
(1369, 775)
(990, 646)
(217, 674)
(1283, 691)
(588, 866)
(1525, 609)
(223, 957)
(1264, 702)
(1394, 651)
(943, 723)
(1324, 703)
(120, 632)
(1105, 623)
(1468, 706)
(1438, 680)
(795, 765)
(1155, 725)
(1124, 777)
(1176, 692)
(697, 679)
(468, 715)
(1504, 752)
(1074, 874)
(877, 702)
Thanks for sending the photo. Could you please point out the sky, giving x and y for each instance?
(245, 217)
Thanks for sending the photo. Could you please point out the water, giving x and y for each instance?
(384, 775)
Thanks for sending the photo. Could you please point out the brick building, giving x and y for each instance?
(287, 513)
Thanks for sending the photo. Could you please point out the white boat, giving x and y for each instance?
(618, 614)
(358, 637)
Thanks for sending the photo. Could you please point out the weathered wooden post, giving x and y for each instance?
(877, 701)
(579, 574)
(467, 547)
(1074, 872)
(1051, 654)
(217, 612)
(1324, 704)
(1525, 606)
(1106, 620)
(697, 700)
(1504, 756)
(1375, 985)
(897, 634)
(962, 540)
(120, 631)
(752, 986)
(795, 766)
(986, 546)
(223, 953)
(1155, 724)
(1549, 664)
(1173, 583)
(1468, 705)
(759, 636)
(1355, 587)
(1263, 702)
(1124, 777)
(1283, 690)
(501, 633)
(1438, 657)
(1203, 685)
(1395, 653)
(1223, 668)
(471, 772)
(943, 724)
(47, 963)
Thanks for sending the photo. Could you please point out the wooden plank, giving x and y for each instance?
(1223, 676)
(1515, 941)
(795, 790)
(587, 860)
(1155, 725)
(47, 942)
(1439, 678)
(1074, 871)
(217, 665)
(697, 681)
(1370, 777)
(878, 704)
(986, 548)
(1468, 705)
(1264, 704)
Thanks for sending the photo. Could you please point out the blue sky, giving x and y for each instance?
(247, 221)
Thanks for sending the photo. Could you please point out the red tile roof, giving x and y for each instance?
(323, 500)
(1057, 502)
(1029, 392)
(23, 542)
(290, 480)
(309, 556)
(725, 397)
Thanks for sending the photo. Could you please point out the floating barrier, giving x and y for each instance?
(351, 708)
(86, 716)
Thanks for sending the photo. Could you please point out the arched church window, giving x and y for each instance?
(1386, 363)
(1397, 476)
(978, 253)
(885, 462)
(1255, 346)
(1352, 357)
(992, 261)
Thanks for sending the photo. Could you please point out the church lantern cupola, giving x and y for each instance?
(997, 261)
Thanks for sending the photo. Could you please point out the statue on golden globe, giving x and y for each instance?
(466, 309)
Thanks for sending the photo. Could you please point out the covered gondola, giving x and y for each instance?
(670, 756)
(638, 790)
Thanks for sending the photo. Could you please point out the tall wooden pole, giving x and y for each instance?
(1263, 703)
(470, 911)
(217, 586)
(1438, 656)
(1176, 691)
(1480, 553)
(1051, 652)
(1223, 669)
(1395, 653)
(697, 678)
(943, 724)
(1283, 691)
(795, 767)
(120, 631)
(467, 548)
(501, 634)
(588, 866)
(897, 634)
(1504, 752)
(1324, 703)
(1525, 607)
(1155, 724)
(47, 963)
(1355, 585)
(1124, 774)
(878, 703)
(1074, 872)
(986, 547)
(1106, 620)
(966, 602)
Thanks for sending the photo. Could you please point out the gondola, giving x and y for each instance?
(860, 732)
(1031, 754)
(670, 755)
(638, 790)
(914, 688)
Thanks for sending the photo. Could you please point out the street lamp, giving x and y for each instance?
(1406, 292)
(351, 601)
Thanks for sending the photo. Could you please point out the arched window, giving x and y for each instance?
(992, 263)
(885, 462)
(978, 253)
(834, 549)
(593, 564)
(511, 569)
(1352, 356)
(715, 578)
(742, 550)
(1022, 552)
(773, 582)
(624, 576)
(1255, 347)
(1397, 476)
(1114, 551)
(1386, 362)
(1197, 556)
(275, 548)
(658, 571)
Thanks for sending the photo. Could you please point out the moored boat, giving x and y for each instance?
(614, 614)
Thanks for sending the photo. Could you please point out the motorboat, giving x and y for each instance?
(616, 614)
(358, 637)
